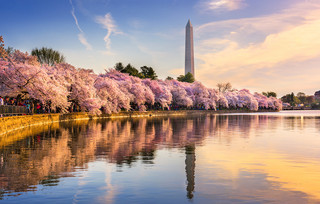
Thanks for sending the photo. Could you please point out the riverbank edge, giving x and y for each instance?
(13, 123)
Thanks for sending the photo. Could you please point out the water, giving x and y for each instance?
(246, 158)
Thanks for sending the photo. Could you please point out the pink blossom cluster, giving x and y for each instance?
(61, 84)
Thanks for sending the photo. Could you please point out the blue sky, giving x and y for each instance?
(261, 45)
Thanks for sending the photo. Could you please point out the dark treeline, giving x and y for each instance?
(149, 72)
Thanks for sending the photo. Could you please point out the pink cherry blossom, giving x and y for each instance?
(60, 85)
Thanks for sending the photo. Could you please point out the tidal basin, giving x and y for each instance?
(231, 158)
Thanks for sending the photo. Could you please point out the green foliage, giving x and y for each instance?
(169, 78)
(290, 98)
(148, 72)
(315, 106)
(310, 99)
(119, 67)
(302, 97)
(296, 100)
(10, 50)
(48, 56)
(186, 78)
(180, 78)
(286, 98)
(270, 94)
(131, 71)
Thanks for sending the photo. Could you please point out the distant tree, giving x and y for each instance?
(290, 98)
(48, 56)
(270, 94)
(224, 87)
(296, 100)
(300, 94)
(169, 78)
(302, 97)
(310, 99)
(286, 98)
(180, 78)
(148, 72)
(186, 78)
(3, 53)
(189, 78)
(131, 71)
(119, 67)
(10, 50)
(273, 94)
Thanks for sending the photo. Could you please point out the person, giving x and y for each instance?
(31, 107)
(28, 106)
(38, 108)
(7, 102)
(1, 101)
(1, 104)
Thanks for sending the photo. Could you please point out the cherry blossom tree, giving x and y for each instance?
(62, 85)
(139, 93)
(23, 77)
(179, 94)
(112, 99)
(246, 99)
(79, 83)
(262, 100)
(232, 98)
(202, 96)
(160, 90)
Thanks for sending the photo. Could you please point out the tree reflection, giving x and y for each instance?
(45, 157)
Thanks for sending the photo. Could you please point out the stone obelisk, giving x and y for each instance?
(189, 61)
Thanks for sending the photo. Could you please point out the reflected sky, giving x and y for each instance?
(247, 158)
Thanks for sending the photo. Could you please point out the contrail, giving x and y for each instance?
(75, 17)
(81, 36)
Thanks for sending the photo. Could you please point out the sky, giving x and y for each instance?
(261, 45)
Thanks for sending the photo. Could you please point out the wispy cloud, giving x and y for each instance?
(84, 41)
(136, 23)
(260, 52)
(81, 35)
(228, 5)
(109, 24)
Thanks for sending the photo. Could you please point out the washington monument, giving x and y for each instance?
(189, 61)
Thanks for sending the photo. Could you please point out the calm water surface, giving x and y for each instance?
(246, 158)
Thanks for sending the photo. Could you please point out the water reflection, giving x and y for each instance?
(190, 169)
(237, 155)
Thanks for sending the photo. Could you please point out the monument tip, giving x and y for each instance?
(189, 23)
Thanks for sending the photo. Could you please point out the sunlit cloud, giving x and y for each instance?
(108, 23)
(228, 5)
(257, 52)
(81, 35)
